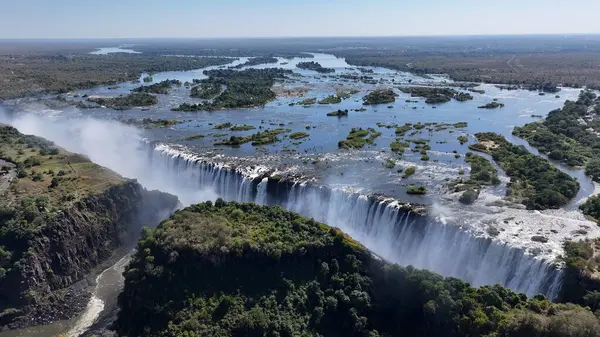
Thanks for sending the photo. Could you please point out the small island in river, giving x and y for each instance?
(316, 66)
(380, 96)
(125, 102)
(492, 105)
(436, 95)
(244, 89)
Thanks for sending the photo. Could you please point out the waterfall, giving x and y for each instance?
(380, 225)
(261, 192)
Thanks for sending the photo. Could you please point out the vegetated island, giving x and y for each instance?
(158, 88)
(569, 134)
(316, 66)
(260, 138)
(331, 99)
(125, 102)
(254, 61)
(416, 190)
(149, 123)
(60, 216)
(356, 138)
(436, 95)
(380, 96)
(483, 173)
(338, 113)
(535, 182)
(269, 272)
(298, 135)
(244, 89)
(491, 105)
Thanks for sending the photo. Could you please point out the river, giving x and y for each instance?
(317, 155)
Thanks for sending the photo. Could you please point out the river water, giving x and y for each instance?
(104, 296)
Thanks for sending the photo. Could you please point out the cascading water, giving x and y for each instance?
(380, 225)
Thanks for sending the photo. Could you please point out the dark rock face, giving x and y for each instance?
(73, 243)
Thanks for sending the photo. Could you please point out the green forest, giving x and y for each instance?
(233, 269)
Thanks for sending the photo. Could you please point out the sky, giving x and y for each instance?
(292, 18)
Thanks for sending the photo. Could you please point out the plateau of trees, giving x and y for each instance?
(232, 269)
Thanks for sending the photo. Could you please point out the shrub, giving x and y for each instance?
(469, 196)
(420, 190)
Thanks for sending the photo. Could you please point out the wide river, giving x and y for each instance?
(317, 156)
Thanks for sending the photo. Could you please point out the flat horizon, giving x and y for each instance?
(297, 37)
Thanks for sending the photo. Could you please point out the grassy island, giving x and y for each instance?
(331, 99)
(416, 190)
(338, 113)
(232, 269)
(356, 138)
(298, 135)
(153, 123)
(260, 138)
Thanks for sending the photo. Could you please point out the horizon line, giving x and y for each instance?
(2, 39)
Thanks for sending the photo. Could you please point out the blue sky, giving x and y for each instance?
(262, 18)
